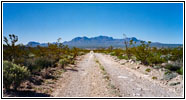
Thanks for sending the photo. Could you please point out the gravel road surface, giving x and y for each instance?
(84, 81)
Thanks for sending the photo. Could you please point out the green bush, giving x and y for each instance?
(154, 78)
(13, 75)
(180, 71)
(63, 62)
(172, 67)
(148, 70)
(155, 58)
(112, 53)
(43, 62)
(70, 57)
(142, 52)
(123, 57)
(36, 64)
(167, 72)
(177, 53)
(117, 52)
(81, 53)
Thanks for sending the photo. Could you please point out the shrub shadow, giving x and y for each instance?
(25, 93)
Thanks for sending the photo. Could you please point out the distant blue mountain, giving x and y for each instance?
(102, 42)
(33, 44)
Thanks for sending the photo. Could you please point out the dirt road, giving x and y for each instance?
(87, 81)
(84, 81)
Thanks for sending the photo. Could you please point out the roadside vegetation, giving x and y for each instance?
(170, 59)
(34, 64)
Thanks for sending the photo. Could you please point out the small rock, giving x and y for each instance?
(132, 62)
(170, 62)
(137, 67)
(122, 77)
(156, 67)
(163, 64)
(136, 94)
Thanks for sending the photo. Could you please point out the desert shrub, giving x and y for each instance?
(148, 70)
(166, 57)
(118, 52)
(13, 75)
(172, 67)
(43, 62)
(177, 53)
(123, 57)
(142, 52)
(36, 64)
(31, 65)
(154, 78)
(70, 57)
(155, 58)
(180, 71)
(81, 53)
(167, 72)
(112, 53)
(63, 62)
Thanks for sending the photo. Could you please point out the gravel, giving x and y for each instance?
(131, 83)
(87, 81)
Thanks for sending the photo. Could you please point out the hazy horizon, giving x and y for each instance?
(46, 22)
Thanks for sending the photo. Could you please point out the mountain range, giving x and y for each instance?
(101, 42)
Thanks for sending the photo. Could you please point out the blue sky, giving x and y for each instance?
(46, 22)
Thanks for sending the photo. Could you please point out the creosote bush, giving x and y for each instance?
(36, 64)
(43, 62)
(13, 75)
(63, 62)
